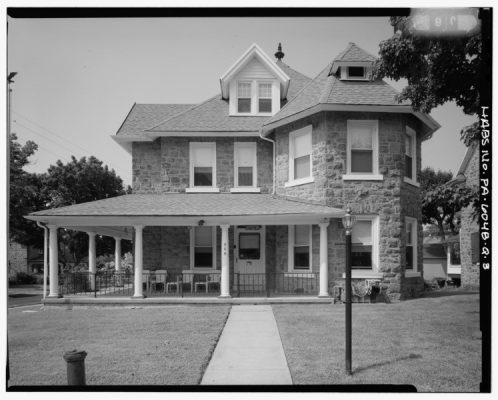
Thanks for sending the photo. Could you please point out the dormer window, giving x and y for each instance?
(356, 72)
(244, 97)
(264, 97)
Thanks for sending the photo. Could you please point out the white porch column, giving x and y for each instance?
(54, 262)
(92, 259)
(117, 255)
(225, 272)
(324, 268)
(138, 261)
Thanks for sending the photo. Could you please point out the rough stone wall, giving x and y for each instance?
(163, 165)
(175, 242)
(470, 271)
(152, 258)
(384, 198)
(17, 258)
(146, 167)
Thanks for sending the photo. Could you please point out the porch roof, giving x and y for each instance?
(187, 209)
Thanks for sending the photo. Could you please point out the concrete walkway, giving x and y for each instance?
(249, 351)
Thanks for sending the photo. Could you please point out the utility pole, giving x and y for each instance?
(9, 101)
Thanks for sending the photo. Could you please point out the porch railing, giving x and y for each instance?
(189, 284)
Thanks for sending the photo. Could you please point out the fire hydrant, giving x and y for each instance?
(75, 367)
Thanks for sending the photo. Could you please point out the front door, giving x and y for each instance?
(249, 256)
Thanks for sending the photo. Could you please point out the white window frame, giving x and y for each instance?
(412, 272)
(237, 146)
(413, 137)
(359, 78)
(192, 250)
(262, 82)
(275, 97)
(307, 130)
(201, 189)
(251, 100)
(375, 271)
(291, 242)
(374, 175)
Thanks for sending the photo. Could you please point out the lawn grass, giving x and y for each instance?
(431, 343)
(168, 345)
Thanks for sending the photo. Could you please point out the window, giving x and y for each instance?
(356, 72)
(475, 247)
(411, 244)
(300, 161)
(454, 253)
(361, 245)
(264, 97)
(362, 148)
(203, 248)
(249, 246)
(244, 97)
(410, 156)
(202, 166)
(245, 162)
(300, 248)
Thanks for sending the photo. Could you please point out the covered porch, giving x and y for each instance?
(242, 225)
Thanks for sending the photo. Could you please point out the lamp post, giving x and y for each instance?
(348, 221)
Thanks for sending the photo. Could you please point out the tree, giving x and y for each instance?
(24, 194)
(442, 200)
(438, 70)
(80, 181)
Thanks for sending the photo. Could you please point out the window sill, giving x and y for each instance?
(411, 182)
(245, 190)
(302, 274)
(202, 190)
(270, 114)
(412, 274)
(298, 182)
(357, 274)
(363, 177)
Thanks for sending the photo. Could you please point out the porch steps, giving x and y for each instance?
(249, 351)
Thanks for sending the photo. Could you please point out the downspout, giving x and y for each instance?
(274, 159)
(45, 254)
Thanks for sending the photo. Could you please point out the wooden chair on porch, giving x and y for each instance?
(146, 279)
(211, 278)
(160, 278)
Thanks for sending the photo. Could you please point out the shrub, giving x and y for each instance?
(22, 278)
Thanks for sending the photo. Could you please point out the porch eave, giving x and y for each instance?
(105, 221)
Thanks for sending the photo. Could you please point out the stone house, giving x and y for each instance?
(468, 173)
(250, 185)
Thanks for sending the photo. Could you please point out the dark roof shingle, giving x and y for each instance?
(212, 115)
(354, 53)
(189, 204)
(144, 116)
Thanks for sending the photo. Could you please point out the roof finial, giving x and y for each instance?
(279, 54)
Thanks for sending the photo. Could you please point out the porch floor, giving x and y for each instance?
(80, 301)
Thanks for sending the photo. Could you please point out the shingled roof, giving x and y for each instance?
(189, 204)
(326, 88)
(143, 116)
(354, 53)
(211, 115)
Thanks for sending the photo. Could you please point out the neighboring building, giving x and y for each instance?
(17, 259)
(442, 259)
(253, 182)
(468, 173)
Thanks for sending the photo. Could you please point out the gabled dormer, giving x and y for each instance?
(353, 64)
(254, 85)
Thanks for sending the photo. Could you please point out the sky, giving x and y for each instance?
(78, 78)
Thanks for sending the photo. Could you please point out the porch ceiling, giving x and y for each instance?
(182, 209)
